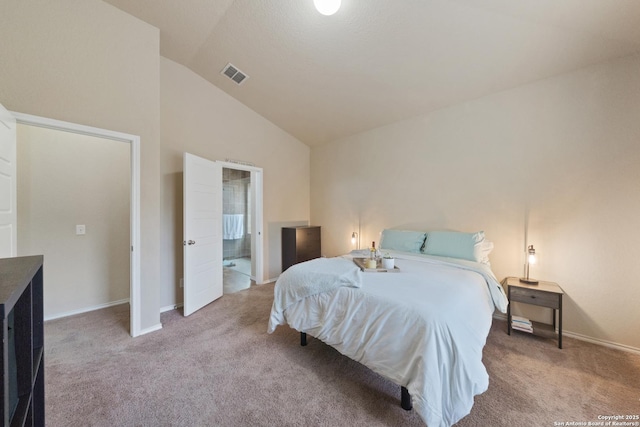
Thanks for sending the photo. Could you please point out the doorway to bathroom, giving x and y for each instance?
(236, 229)
(203, 202)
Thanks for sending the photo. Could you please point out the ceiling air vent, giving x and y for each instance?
(234, 74)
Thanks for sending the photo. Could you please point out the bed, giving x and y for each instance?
(423, 327)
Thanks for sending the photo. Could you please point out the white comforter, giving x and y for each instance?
(423, 327)
(311, 278)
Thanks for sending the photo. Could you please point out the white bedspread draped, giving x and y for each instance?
(311, 278)
(423, 328)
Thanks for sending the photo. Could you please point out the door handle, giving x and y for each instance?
(191, 242)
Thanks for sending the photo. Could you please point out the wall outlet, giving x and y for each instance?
(80, 230)
(182, 283)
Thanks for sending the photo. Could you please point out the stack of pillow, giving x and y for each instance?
(452, 244)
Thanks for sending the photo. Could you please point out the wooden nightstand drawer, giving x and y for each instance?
(535, 297)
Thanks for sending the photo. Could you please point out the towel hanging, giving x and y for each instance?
(232, 226)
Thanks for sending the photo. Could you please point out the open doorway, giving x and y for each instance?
(203, 229)
(73, 208)
(131, 222)
(242, 233)
(236, 230)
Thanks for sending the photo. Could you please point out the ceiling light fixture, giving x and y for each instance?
(327, 7)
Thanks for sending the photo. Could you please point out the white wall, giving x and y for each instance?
(201, 119)
(66, 179)
(86, 62)
(563, 152)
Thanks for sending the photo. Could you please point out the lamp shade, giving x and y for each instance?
(531, 257)
(327, 7)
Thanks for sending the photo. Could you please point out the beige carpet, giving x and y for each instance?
(219, 367)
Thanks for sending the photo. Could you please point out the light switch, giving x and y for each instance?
(80, 230)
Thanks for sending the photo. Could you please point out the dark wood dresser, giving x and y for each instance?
(22, 359)
(299, 244)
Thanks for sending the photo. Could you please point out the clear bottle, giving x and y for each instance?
(372, 250)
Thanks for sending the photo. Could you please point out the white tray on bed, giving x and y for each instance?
(360, 262)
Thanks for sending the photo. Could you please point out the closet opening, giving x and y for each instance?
(100, 226)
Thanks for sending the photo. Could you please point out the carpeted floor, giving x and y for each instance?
(219, 367)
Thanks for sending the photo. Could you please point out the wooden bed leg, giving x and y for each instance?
(303, 338)
(405, 399)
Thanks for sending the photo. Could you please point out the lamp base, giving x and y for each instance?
(528, 281)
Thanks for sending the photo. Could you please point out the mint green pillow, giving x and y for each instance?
(453, 244)
(402, 240)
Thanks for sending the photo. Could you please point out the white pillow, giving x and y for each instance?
(481, 251)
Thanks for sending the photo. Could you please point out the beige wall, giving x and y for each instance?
(86, 62)
(65, 179)
(201, 119)
(564, 149)
(563, 152)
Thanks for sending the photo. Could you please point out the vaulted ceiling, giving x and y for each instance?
(375, 62)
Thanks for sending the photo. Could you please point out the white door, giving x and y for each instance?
(202, 184)
(8, 200)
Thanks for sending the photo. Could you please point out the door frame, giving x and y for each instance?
(257, 235)
(134, 141)
(9, 218)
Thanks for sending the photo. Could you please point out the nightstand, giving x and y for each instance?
(544, 294)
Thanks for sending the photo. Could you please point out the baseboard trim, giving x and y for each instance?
(598, 341)
(604, 343)
(151, 329)
(171, 307)
(267, 281)
(86, 309)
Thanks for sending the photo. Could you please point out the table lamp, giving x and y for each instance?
(531, 259)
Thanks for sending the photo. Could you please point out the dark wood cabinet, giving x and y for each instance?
(22, 358)
(299, 244)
